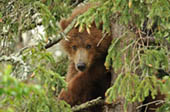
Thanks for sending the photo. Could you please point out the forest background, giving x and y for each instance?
(32, 66)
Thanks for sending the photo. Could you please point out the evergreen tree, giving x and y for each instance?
(139, 56)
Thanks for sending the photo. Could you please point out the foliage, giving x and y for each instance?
(141, 14)
(132, 84)
(133, 58)
(61, 66)
(52, 11)
(11, 87)
(165, 89)
(19, 16)
(12, 90)
(135, 61)
(38, 92)
(42, 74)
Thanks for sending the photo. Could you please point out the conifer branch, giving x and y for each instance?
(157, 102)
(61, 35)
(86, 105)
(64, 33)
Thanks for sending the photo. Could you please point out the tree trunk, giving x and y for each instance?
(118, 30)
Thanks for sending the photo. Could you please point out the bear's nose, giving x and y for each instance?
(81, 66)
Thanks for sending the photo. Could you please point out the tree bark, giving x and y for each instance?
(118, 30)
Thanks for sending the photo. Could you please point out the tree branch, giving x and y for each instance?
(64, 33)
(97, 101)
(61, 35)
(153, 102)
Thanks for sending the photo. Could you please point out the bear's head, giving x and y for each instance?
(83, 48)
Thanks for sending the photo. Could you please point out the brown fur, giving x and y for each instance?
(77, 11)
(93, 81)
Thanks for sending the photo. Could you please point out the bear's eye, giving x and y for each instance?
(88, 46)
(74, 47)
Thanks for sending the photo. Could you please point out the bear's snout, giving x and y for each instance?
(81, 66)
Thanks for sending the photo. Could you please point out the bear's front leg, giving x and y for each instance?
(78, 91)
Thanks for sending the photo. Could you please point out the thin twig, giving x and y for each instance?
(101, 39)
(156, 101)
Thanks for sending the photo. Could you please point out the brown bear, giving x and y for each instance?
(87, 76)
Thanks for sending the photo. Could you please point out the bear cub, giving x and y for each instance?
(87, 76)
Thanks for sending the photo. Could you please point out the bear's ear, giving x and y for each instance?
(63, 24)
